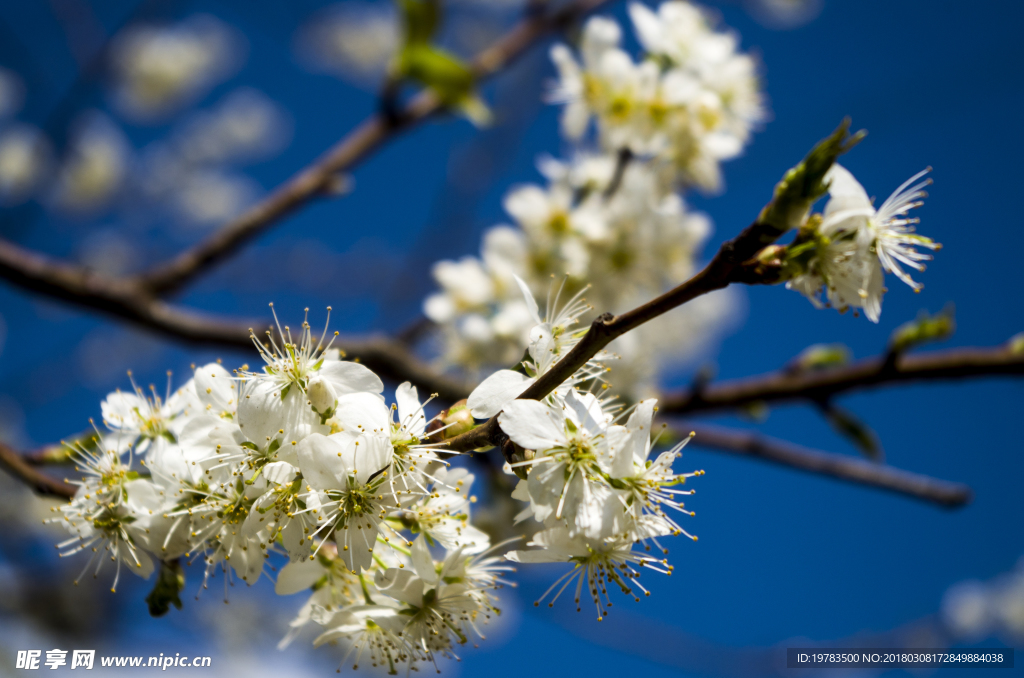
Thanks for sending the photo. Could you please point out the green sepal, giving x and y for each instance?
(166, 592)
(805, 183)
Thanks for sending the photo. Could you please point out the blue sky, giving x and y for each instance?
(781, 554)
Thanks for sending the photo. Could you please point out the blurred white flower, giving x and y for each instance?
(211, 197)
(975, 610)
(783, 14)
(246, 125)
(25, 158)
(353, 41)
(159, 69)
(95, 166)
(187, 172)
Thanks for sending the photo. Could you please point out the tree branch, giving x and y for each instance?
(370, 135)
(390, 358)
(822, 384)
(40, 482)
(842, 467)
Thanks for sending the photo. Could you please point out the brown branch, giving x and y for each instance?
(370, 135)
(842, 467)
(41, 483)
(822, 384)
(390, 358)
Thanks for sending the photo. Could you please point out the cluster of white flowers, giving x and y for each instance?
(588, 479)
(848, 250)
(597, 492)
(302, 458)
(693, 99)
(624, 248)
(613, 218)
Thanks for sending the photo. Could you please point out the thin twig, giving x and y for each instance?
(842, 467)
(39, 481)
(822, 384)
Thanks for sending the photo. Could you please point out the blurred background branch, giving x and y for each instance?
(842, 467)
(786, 386)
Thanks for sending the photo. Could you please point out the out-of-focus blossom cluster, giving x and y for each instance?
(783, 14)
(613, 219)
(158, 70)
(190, 176)
(353, 40)
(975, 610)
(306, 459)
(95, 167)
(86, 180)
(192, 171)
(25, 152)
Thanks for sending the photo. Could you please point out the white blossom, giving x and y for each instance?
(158, 69)
(855, 245)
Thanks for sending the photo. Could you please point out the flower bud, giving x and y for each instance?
(322, 396)
(456, 420)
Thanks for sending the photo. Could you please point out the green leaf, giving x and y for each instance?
(166, 592)
(420, 19)
(447, 75)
